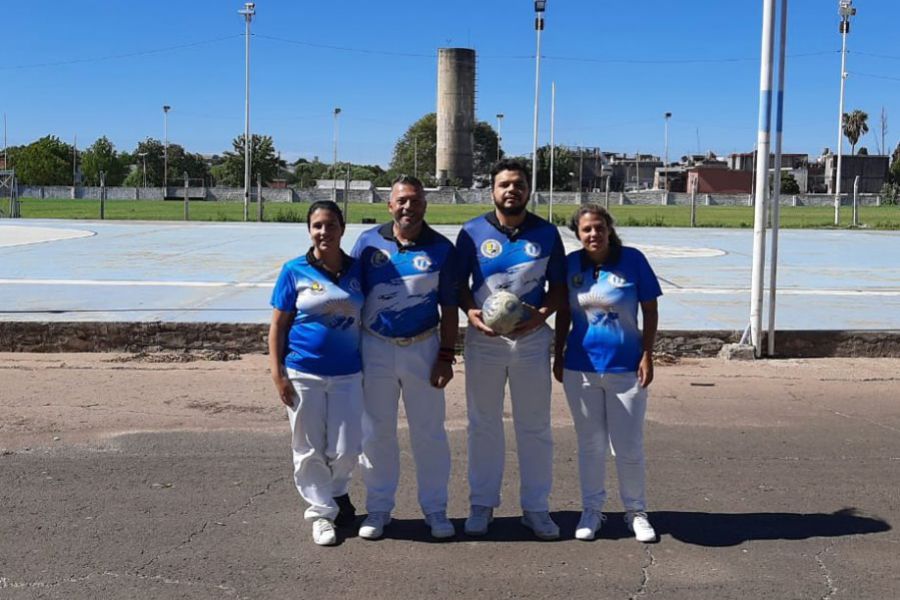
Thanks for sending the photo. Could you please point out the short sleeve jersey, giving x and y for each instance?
(603, 301)
(405, 284)
(521, 261)
(324, 337)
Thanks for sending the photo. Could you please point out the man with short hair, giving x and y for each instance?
(410, 320)
(510, 249)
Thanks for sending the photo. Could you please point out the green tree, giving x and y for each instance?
(855, 126)
(263, 160)
(420, 140)
(565, 168)
(149, 152)
(418, 146)
(47, 161)
(789, 185)
(101, 156)
(895, 165)
(181, 162)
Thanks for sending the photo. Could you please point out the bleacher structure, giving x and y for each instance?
(9, 194)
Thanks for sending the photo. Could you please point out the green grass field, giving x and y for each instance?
(881, 217)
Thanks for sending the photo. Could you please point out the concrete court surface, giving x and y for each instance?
(123, 477)
(223, 272)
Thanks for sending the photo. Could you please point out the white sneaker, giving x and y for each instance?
(479, 519)
(638, 523)
(373, 527)
(541, 524)
(323, 532)
(441, 527)
(590, 523)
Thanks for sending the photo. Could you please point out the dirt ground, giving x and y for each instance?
(54, 399)
(168, 476)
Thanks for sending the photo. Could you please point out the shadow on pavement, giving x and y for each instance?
(731, 529)
(698, 528)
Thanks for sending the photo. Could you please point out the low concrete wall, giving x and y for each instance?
(251, 338)
(441, 196)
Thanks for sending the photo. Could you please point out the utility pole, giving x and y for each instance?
(337, 111)
(248, 12)
(762, 176)
(668, 116)
(499, 135)
(845, 10)
(539, 8)
(552, 146)
(75, 160)
(166, 109)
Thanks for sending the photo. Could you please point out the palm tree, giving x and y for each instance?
(855, 127)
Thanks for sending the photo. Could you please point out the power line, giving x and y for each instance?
(118, 56)
(343, 48)
(874, 76)
(678, 61)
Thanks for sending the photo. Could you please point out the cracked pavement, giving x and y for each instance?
(767, 479)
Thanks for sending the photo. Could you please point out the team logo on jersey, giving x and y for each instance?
(316, 288)
(380, 258)
(491, 248)
(616, 280)
(533, 249)
(577, 280)
(354, 285)
(421, 262)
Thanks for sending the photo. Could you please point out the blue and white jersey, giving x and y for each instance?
(603, 301)
(521, 261)
(324, 337)
(405, 284)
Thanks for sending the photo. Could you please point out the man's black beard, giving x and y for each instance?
(511, 211)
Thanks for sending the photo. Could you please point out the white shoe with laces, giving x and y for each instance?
(541, 524)
(441, 527)
(373, 527)
(639, 524)
(590, 523)
(479, 519)
(323, 532)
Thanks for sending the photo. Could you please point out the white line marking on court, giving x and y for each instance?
(18, 235)
(270, 284)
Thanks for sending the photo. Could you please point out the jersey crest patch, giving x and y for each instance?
(533, 249)
(316, 288)
(354, 285)
(616, 280)
(422, 262)
(491, 248)
(380, 258)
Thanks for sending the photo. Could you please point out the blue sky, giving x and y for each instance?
(106, 67)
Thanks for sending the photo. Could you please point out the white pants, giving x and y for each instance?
(388, 370)
(608, 409)
(525, 364)
(326, 432)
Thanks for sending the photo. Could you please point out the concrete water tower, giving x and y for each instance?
(455, 115)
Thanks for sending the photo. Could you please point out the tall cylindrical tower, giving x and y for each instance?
(455, 115)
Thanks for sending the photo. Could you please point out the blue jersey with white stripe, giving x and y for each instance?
(603, 301)
(521, 261)
(405, 284)
(324, 337)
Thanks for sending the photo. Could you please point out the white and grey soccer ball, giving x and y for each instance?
(502, 311)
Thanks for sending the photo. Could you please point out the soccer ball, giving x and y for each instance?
(502, 311)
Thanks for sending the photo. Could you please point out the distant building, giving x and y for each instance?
(718, 180)
(872, 171)
(356, 184)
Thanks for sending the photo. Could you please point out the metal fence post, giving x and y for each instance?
(187, 201)
(856, 201)
(259, 198)
(102, 194)
(694, 203)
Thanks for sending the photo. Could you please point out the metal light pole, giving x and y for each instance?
(668, 116)
(166, 109)
(416, 156)
(143, 156)
(845, 10)
(552, 146)
(248, 11)
(337, 111)
(762, 175)
(539, 7)
(499, 135)
(776, 188)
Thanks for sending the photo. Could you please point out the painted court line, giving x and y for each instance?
(269, 284)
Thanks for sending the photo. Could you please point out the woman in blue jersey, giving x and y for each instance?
(606, 363)
(315, 364)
